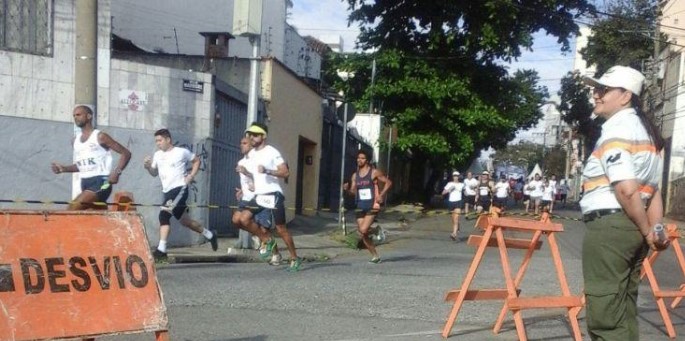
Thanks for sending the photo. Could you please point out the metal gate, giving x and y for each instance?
(229, 126)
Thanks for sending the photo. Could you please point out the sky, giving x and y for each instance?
(320, 18)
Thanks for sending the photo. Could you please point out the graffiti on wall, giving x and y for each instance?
(200, 150)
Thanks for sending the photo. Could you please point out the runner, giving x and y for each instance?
(502, 190)
(455, 189)
(365, 183)
(267, 166)
(484, 193)
(526, 195)
(535, 188)
(555, 189)
(547, 196)
(245, 194)
(170, 164)
(470, 185)
(92, 152)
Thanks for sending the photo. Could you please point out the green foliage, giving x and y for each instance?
(525, 154)
(626, 37)
(438, 76)
(576, 108)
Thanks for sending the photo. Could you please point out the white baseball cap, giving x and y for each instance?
(619, 77)
(455, 173)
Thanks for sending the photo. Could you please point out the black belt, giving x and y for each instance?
(592, 215)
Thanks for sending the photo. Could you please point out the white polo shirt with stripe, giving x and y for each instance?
(624, 151)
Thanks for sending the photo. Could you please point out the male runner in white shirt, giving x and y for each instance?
(170, 163)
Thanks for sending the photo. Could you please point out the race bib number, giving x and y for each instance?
(266, 200)
(365, 194)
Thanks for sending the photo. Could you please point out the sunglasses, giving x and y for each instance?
(601, 91)
(249, 133)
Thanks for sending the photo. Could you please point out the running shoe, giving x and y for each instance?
(375, 260)
(276, 259)
(295, 265)
(214, 240)
(267, 248)
(160, 256)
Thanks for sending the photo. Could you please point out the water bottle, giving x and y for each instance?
(659, 233)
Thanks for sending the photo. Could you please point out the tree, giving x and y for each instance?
(526, 154)
(624, 37)
(440, 78)
(576, 109)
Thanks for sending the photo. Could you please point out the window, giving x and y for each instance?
(26, 26)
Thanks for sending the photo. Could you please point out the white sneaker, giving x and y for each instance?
(276, 259)
(256, 243)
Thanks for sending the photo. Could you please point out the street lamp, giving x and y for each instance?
(344, 75)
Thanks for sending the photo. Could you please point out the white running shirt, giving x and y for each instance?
(536, 186)
(270, 159)
(471, 185)
(245, 181)
(548, 193)
(502, 189)
(90, 157)
(455, 189)
(171, 166)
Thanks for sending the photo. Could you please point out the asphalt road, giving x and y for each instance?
(347, 298)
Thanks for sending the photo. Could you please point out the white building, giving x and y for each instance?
(368, 128)
(579, 63)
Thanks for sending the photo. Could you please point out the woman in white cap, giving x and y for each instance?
(621, 204)
(455, 190)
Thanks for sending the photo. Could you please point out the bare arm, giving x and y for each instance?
(387, 184)
(628, 196)
(655, 209)
(193, 170)
(147, 163)
(124, 155)
(58, 168)
(281, 171)
(353, 185)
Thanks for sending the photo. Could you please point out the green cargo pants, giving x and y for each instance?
(613, 251)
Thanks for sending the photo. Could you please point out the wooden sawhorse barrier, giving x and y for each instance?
(659, 294)
(494, 225)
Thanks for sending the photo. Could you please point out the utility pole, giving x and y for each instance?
(85, 65)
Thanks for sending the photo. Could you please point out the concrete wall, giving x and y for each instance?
(42, 87)
(294, 112)
(31, 144)
(167, 105)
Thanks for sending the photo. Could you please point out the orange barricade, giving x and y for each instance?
(659, 294)
(495, 225)
(123, 202)
(72, 274)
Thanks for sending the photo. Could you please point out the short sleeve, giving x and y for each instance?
(276, 158)
(616, 160)
(155, 158)
(188, 155)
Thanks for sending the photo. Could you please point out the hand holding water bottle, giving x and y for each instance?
(658, 239)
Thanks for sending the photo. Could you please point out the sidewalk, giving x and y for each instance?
(317, 238)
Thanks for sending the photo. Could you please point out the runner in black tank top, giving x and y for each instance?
(365, 182)
(367, 190)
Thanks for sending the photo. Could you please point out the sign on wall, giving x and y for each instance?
(132, 100)
(193, 86)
